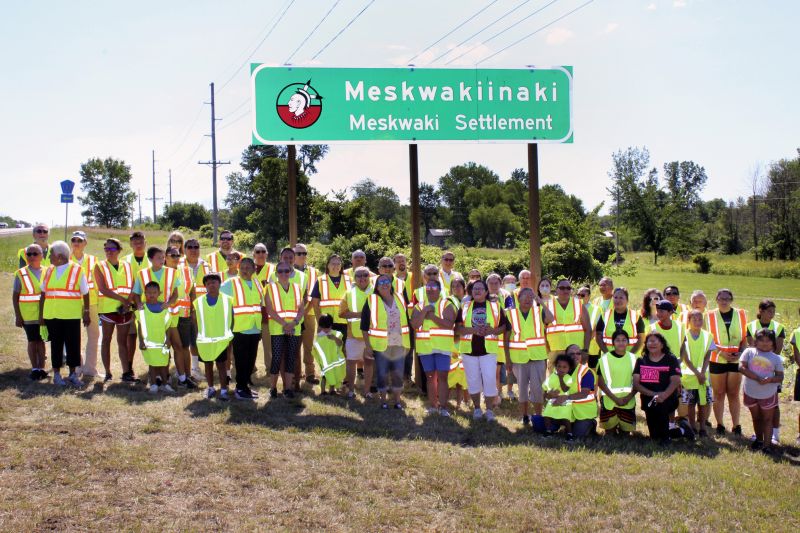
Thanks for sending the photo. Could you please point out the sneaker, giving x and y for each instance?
(444, 412)
(720, 429)
(75, 381)
(570, 437)
(368, 396)
(197, 375)
(398, 406)
(432, 410)
(153, 388)
(752, 437)
(312, 380)
(737, 430)
(167, 388)
(289, 393)
(384, 405)
(477, 414)
(108, 377)
(210, 392)
(273, 393)
(182, 384)
(489, 415)
(34, 375)
(223, 395)
(253, 393)
(687, 429)
(58, 380)
(129, 377)
(242, 394)
(526, 421)
(756, 445)
(42, 374)
(351, 395)
(775, 442)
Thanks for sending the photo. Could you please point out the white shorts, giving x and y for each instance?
(480, 371)
(354, 349)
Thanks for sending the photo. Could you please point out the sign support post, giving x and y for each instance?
(67, 198)
(533, 213)
(416, 254)
(291, 171)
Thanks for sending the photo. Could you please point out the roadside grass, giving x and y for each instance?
(117, 458)
(741, 264)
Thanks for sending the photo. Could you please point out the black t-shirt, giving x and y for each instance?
(656, 375)
(479, 310)
(619, 321)
(315, 291)
(727, 318)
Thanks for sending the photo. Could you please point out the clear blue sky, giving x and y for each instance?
(712, 81)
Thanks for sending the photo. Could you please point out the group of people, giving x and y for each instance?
(575, 360)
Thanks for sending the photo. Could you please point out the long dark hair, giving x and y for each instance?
(661, 339)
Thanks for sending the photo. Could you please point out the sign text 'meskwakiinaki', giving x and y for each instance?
(383, 104)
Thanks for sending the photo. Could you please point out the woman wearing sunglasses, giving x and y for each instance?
(286, 307)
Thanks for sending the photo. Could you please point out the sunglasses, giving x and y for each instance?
(41, 231)
(448, 259)
(109, 250)
(301, 253)
(76, 241)
(671, 294)
(226, 238)
(385, 266)
(384, 282)
(175, 256)
(283, 271)
(362, 275)
(192, 247)
(31, 254)
(259, 251)
(432, 287)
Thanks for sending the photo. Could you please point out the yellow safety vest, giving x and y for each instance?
(774, 326)
(727, 340)
(566, 327)
(87, 265)
(330, 296)
(183, 306)
(286, 303)
(674, 336)
(558, 412)
(379, 323)
(595, 312)
(197, 277)
(429, 336)
(446, 283)
(246, 304)
(618, 377)
(330, 358)
(216, 261)
(355, 299)
(118, 280)
(29, 295)
(131, 260)
(527, 340)
(585, 408)
(154, 328)
(696, 350)
(213, 326)
(310, 276)
(166, 283)
(629, 327)
(62, 298)
(492, 319)
(266, 274)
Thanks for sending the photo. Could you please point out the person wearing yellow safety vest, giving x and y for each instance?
(606, 298)
(457, 378)
(696, 397)
(582, 394)
(657, 378)
(309, 332)
(328, 354)
(217, 259)
(673, 296)
(766, 319)
(386, 266)
(594, 312)
(167, 278)
(615, 380)
(327, 294)
(87, 263)
(248, 302)
(63, 302)
(433, 325)
(154, 324)
(264, 272)
(213, 316)
(138, 261)
(570, 323)
(673, 331)
(697, 301)
(196, 268)
(794, 340)
(285, 304)
(479, 323)
(25, 298)
(182, 333)
(558, 409)
(41, 232)
(728, 325)
(525, 282)
(384, 324)
(114, 279)
(231, 266)
(419, 296)
(620, 316)
(350, 308)
(446, 271)
(298, 278)
(525, 349)
(403, 274)
(359, 259)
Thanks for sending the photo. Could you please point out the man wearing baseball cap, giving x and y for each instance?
(87, 263)
(672, 330)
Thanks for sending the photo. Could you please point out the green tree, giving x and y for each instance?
(108, 196)
(189, 215)
(428, 205)
(494, 226)
(382, 202)
(453, 188)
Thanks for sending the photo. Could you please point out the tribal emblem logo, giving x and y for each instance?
(299, 105)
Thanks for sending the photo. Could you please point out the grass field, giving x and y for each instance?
(116, 458)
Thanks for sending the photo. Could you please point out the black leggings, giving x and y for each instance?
(64, 334)
(657, 417)
(283, 347)
(245, 349)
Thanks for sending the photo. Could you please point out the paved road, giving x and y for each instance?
(5, 232)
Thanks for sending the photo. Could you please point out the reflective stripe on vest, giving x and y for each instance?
(327, 290)
(581, 371)
(696, 358)
(630, 319)
(66, 293)
(122, 290)
(143, 325)
(607, 374)
(326, 365)
(374, 329)
(240, 305)
(717, 326)
(352, 303)
(146, 276)
(516, 342)
(202, 335)
(31, 291)
(277, 303)
(571, 327)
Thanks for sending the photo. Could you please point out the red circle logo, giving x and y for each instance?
(299, 105)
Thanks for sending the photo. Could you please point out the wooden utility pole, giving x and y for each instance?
(416, 255)
(291, 171)
(214, 163)
(533, 213)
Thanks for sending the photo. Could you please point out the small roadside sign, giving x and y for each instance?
(67, 198)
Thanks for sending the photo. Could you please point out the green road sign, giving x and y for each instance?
(322, 105)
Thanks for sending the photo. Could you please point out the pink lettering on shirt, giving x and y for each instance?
(649, 374)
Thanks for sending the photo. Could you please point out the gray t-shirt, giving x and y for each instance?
(764, 365)
(18, 284)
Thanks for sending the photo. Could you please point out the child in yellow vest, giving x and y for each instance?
(328, 354)
(557, 411)
(153, 322)
(457, 380)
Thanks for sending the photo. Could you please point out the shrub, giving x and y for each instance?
(565, 258)
(703, 263)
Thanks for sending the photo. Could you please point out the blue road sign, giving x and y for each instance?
(66, 188)
(67, 198)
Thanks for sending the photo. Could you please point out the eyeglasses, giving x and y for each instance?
(432, 287)
(384, 282)
(301, 253)
(226, 238)
(283, 271)
(362, 275)
(448, 259)
(192, 247)
(44, 231)
(385, 266)
(76, 240)
(31, 254)
(670, 293)
(109, 250)
(259, 251)
(175, 256)
(583, 295)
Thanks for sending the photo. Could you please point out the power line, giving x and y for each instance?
(495, 21)
(188, 131)
(247, 60)
(182, 164)
(311, 33)
(458, 26)
(565, 15)
(234, 121)
(237, 108)
(352, 20)
(498, 34)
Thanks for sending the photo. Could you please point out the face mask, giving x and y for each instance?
(544, 290)
(511, 287)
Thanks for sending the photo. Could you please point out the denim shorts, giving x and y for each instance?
(435, 362)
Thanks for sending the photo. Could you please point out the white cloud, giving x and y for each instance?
(611, 27)
(651, 6)
(559, 36)
(679, 3)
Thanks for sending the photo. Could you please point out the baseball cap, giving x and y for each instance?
(665, 305)
(79, 234)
